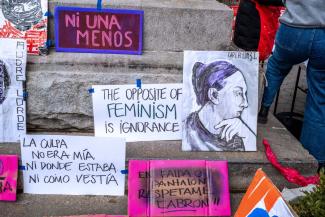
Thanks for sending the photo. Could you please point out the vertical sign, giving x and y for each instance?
(12, 75)
(220, 101)
(76, 165)
(98, 31)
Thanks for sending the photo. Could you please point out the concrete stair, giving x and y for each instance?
(59, 103)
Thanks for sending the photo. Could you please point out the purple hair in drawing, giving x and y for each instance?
(210, 75)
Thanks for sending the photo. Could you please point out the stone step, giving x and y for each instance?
(57, 84)
(242, 165)
(29, 205)
(171, 25)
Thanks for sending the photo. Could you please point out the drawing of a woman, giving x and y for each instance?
(221, 93)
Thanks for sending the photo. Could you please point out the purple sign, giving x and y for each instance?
(89, 30)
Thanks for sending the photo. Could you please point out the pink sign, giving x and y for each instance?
(100, 215)
(8, 177)
(178, 188)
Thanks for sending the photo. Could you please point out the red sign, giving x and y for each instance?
(91, 30)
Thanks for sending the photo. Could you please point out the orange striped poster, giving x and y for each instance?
(263, 199)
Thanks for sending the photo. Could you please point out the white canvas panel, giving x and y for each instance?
(220, 100)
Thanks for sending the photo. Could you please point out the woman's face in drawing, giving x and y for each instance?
(232, 97)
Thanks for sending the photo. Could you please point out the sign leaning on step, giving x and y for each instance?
(220, 101)
(152, 112)
(90, 30)
(178, 188)
(12, 104)
(75, 165)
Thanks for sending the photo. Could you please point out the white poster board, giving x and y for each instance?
(12, 104)
(73, 165)
(220, 101)
(152, 112)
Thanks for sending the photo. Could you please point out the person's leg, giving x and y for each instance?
(291, 47)
(313, 132)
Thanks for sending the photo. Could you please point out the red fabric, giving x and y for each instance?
(292, 175)
(269, 16)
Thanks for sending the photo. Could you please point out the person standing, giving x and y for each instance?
(301, 37)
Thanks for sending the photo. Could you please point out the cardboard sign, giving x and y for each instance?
(178, 188)
(25, 20)
(220, 101)
(152, 112)
(12, 74)
(76, 165)
(263, 199)
(8, 177)
(98, 31)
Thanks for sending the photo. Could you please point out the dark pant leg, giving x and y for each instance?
(313, 133)
(291, 47)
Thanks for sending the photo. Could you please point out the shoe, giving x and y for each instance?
(262, 115)
(321, 167)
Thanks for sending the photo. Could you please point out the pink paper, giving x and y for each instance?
(178, 188)
(100, 215)
(8, 177)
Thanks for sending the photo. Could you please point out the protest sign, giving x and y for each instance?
(178, 188)
(12, 104)
(76, 165)
(8, 177)
(263, 199)
(152, 112)
(220, 101)
(25, 20)
(100, 215)
(98, 31)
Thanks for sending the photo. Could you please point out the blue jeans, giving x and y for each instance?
(293, 46)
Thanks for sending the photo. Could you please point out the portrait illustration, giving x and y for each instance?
(220, 102)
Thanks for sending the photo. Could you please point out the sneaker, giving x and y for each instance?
(262, 115)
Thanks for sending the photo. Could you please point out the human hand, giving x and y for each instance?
(231, 127)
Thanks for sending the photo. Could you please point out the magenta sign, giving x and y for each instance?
(89, 30)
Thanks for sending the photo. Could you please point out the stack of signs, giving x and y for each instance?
(220, 101)
(25, 20)
(8, 177)
(12, 75)
(98, 31)
(263, 199)
(178, 188)
(152, 112)
(75, 165)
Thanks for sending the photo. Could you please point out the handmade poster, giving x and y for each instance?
(152, 112)
(12, 75)
(98, 31)
(263, 199)
(220, 101)
(8, 177)
(25, 19)
(75, 165)
(178, 188)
